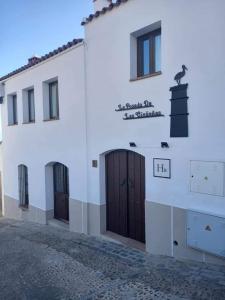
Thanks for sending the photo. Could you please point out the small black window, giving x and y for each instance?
(53, 100)
(14, 107)
(23, 186)
(12, 110)
(31, 109)
(149, 53)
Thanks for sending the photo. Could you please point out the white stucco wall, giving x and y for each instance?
(61, 140)
(192, 35)
(1, 158)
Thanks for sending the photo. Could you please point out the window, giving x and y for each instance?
(149, 53)
(30, 102)
(53, 100)
(28, 106)
(12, 110)
(23, 186)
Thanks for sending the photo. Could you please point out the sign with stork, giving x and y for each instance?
(179, 106)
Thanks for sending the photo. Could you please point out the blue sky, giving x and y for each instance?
(29, 27)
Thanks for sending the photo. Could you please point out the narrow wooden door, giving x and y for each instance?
(61, 192)
(116, 181)
(136, 196)
(0, 194)
(125, 192)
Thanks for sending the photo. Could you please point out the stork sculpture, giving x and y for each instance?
(180, 75)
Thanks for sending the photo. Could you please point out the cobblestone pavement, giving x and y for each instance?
(43, 262)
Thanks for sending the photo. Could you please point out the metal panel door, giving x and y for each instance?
(206, 232)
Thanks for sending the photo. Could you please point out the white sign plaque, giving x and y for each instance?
(162, 167)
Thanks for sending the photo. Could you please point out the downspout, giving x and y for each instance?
(2, 98)
(85, 204)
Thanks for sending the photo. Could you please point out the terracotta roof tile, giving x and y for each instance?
(37, 60)
(103, 11)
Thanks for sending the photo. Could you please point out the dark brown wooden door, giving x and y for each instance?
(0, 194)
(125, 191)
(61, 192)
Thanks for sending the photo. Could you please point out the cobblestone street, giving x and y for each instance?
(43, 262)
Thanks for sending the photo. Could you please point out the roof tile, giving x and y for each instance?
(103, 11)
(42, 58)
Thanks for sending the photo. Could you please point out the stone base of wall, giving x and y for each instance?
(32, 214)
(87, 217)
(166, 224)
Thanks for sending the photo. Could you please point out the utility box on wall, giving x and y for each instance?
(207, 177)
(206, 232)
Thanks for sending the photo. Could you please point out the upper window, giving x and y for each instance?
(28, 106)
(12, 110)
(23, 186)
(149, 53)
(31, 110)
(53, 100)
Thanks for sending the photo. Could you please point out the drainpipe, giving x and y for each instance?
(85, 204)
(2, 95)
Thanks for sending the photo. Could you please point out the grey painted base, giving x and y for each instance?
(87, 218)
(84, 217)
(32, 214)
(166, 224)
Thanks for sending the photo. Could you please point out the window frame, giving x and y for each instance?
(51, 115)
(12, 110)
(30, 120)
(140, 62)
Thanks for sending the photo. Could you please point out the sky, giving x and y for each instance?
(35, 27)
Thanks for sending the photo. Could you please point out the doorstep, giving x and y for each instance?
(58, 224)
(116, 238)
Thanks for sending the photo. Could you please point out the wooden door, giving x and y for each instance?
(125, 192)
(116, 181)
(61, 192)
(136, 196)
(0, 194)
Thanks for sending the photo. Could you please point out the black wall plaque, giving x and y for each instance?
(94, 163)
(179, 111)
(139, 114)
(138, 105)
(143, 115)
(1, 100)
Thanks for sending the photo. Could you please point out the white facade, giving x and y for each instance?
(97, 75)
(37, 144)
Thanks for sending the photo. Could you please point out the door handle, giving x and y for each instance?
(130, 183)
(124, 181)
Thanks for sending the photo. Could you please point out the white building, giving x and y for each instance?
(157, 177)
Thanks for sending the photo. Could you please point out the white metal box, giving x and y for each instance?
(206, 232)
(207, 177)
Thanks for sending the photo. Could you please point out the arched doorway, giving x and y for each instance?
(61, 192)
(125, 194)
(23, 186)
